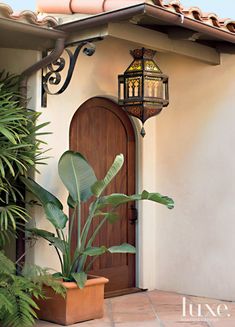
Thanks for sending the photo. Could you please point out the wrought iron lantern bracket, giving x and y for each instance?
(52, 75)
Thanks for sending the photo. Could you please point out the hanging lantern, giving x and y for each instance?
(143, 89)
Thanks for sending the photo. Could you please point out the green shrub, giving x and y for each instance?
(17, 308)
(19, 152)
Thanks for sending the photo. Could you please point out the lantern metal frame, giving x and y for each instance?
(143, 71)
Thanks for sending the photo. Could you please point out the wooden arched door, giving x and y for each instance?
(100, 130)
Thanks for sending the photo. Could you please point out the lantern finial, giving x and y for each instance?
(142, 132)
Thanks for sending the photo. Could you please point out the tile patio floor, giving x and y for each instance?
(154, 309)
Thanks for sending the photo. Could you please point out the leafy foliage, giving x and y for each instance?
(17, 308)
(19, 152)
(82, 184)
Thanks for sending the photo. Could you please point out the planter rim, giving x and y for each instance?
(95, 280)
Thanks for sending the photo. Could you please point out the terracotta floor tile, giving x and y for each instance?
(172, 317)
(93, 323)
(168, 312)
(197, 299)
(133, 316)
(140, 307)
(46, 324)
(184, 324)
(223, 323)
(168, 308)
(231, 307)
(107, 313)
(145, 310)
(135, 307)
(153, 323)
(132, 298)
(159, 297)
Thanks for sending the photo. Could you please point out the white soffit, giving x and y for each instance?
(149, 38)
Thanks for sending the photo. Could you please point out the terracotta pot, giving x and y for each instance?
(78, 305)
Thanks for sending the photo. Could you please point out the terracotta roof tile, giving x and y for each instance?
(198, 15)
(211, 19)
(98, 6)
(27, 17)
(175, 6)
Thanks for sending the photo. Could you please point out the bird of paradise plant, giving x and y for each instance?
(79, 178)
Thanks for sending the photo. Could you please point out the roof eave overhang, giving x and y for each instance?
(136, 13)
(18, 35)
(177, 19)
(122, 14)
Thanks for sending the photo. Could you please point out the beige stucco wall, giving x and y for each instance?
(187, 154)
(16, 61)
(195, 164)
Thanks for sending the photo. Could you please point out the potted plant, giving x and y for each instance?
(80, 180)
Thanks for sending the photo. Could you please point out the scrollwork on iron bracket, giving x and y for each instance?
(53, 75)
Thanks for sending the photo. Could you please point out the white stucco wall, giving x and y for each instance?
(16, 61)
(195, 164)
(187, 154)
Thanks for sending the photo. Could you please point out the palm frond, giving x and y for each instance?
(20, 151)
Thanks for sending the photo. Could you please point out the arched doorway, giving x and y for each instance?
(100, 130)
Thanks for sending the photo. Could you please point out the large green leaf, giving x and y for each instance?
(40, 193)
(40, 232)
(80, 278)
(10, 136)
(77, 175)
(55, 241)
(117, 199)
(100, 186)
(59, 244)
(156, 197)
(112, 217)
(70, 202)
(55, 215)
(123, 248)
(95, 251)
